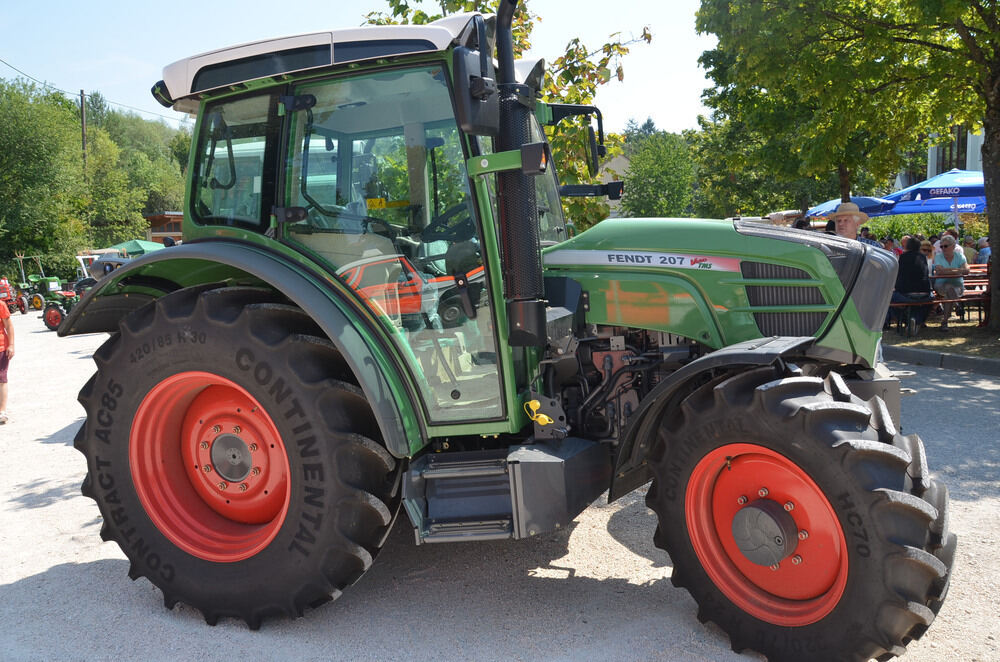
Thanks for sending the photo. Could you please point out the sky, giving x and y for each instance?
(119, 48)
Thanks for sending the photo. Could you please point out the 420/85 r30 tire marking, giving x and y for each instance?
(221, 507)
(793, 594)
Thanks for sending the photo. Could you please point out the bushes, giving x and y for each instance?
(926, 224)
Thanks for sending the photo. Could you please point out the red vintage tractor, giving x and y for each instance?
(10, 298)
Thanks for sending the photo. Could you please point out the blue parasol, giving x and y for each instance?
(952, 184)
(969, 204)
(865, 203)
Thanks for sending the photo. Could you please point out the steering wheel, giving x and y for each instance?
(450, 225)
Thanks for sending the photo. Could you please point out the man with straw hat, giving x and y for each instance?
(848, 218)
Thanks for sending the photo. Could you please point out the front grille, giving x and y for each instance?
(779, 295)
(789, 324)
(778, 323)
(760, 270)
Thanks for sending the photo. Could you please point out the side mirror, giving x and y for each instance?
(595, 143)
(477, 104)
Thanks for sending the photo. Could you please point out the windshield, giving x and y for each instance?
(378, 170)
(551, 222)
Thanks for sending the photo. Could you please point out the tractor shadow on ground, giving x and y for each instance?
(453, 602)
(65, 435)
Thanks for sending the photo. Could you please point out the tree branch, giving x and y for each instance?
(990, 19)
(975, 52)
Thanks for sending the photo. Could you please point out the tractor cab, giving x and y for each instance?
(367, 175)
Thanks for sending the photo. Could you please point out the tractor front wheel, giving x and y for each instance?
(23, 304)
(232, 461)
(799, 520)
(53, 316)
(37, 301)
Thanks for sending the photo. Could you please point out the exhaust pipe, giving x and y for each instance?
(520, 248)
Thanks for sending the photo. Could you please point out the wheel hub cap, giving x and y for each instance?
(764, 532)
(231, 457)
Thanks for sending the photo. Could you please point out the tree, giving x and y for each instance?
(573, 77)
(112, 207)
(660, 177)
(635, 134)
(874, 73)
(40, 174)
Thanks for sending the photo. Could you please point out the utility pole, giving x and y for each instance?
(83, 127)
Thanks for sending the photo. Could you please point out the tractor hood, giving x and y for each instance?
(722, 282)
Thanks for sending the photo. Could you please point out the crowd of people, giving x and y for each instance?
(928, 265)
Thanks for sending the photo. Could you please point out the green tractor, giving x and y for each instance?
(276, 390)
(46, 293)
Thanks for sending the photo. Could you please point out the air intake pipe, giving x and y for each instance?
(520, 248)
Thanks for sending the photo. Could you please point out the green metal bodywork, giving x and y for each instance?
(674, 292)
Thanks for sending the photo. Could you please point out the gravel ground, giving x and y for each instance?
(596, 591)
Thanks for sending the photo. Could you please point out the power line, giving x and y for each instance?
(106, 100)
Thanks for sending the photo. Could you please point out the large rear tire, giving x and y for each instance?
(231, 458)
(798, 518)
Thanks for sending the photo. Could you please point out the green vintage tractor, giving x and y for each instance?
(46, 293)
(279, 388)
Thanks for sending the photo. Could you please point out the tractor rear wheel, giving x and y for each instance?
(84, 284)
(798, 518)
(37, 301)
(53, 316)
(23, 305)
(232, 460)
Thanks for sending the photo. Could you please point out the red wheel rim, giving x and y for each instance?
(53, 316)
(223, 506)
(796, 593)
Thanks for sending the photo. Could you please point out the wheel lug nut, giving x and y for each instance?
(223, 485)
(204, 444)
(253, 448)
(762, 492)
(244, 487)
(775, 566)
(207, 468)
(216, 429)
(742, 500)
(803, 534)
(789, 506)
(796, 559)
(236, 429)
(256, 471)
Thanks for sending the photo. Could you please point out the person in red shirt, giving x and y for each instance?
(6, 354)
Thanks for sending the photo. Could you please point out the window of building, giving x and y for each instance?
(953, 154)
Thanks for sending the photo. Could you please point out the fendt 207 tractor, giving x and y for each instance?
(278, 388)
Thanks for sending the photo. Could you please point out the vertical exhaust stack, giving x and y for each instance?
(522, 262)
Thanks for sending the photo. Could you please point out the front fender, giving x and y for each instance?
(631, 470)
(346, 324)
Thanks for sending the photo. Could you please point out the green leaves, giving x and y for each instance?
(660, 177)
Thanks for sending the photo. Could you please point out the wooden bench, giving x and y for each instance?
(977, 290)
(977, 293)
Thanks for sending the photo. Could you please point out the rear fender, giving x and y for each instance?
(355, 334)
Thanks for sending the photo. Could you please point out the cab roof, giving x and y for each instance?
(185, 80)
